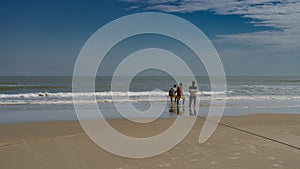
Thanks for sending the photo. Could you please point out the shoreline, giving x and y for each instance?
(172, 116)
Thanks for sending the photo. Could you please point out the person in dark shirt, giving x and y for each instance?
(172, 93)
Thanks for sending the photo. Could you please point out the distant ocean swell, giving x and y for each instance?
(22, 87)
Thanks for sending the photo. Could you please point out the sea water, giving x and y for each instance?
(28, 98)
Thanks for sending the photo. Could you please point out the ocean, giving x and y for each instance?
(49, 98)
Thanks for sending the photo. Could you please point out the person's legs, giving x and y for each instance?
(195, 101)
(190, 101)
(183, 99)
(178, 99)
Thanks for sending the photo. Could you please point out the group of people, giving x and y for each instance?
(176, 94)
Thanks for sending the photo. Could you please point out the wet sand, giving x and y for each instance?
(252, 141)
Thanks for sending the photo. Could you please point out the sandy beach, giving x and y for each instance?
(252, 141)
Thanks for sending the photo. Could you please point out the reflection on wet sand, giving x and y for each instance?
(180, 110)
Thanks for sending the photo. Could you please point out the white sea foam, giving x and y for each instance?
(143, 96)
(98, 94)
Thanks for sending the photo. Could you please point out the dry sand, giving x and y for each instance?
(254, 141)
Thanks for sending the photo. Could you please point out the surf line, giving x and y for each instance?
(254, 134)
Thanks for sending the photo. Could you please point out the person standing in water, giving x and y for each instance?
(193, 93)
(172, 93)
(180, 94)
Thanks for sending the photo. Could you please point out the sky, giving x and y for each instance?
(252, 37)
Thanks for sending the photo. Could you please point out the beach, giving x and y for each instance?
(250, 141)
(260, 127)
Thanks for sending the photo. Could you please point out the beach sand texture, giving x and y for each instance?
(253, 141)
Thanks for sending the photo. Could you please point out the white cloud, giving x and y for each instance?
(282, 15)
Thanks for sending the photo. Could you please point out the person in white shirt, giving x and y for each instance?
(193, 93)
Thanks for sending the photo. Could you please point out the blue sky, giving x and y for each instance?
(252, 37)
